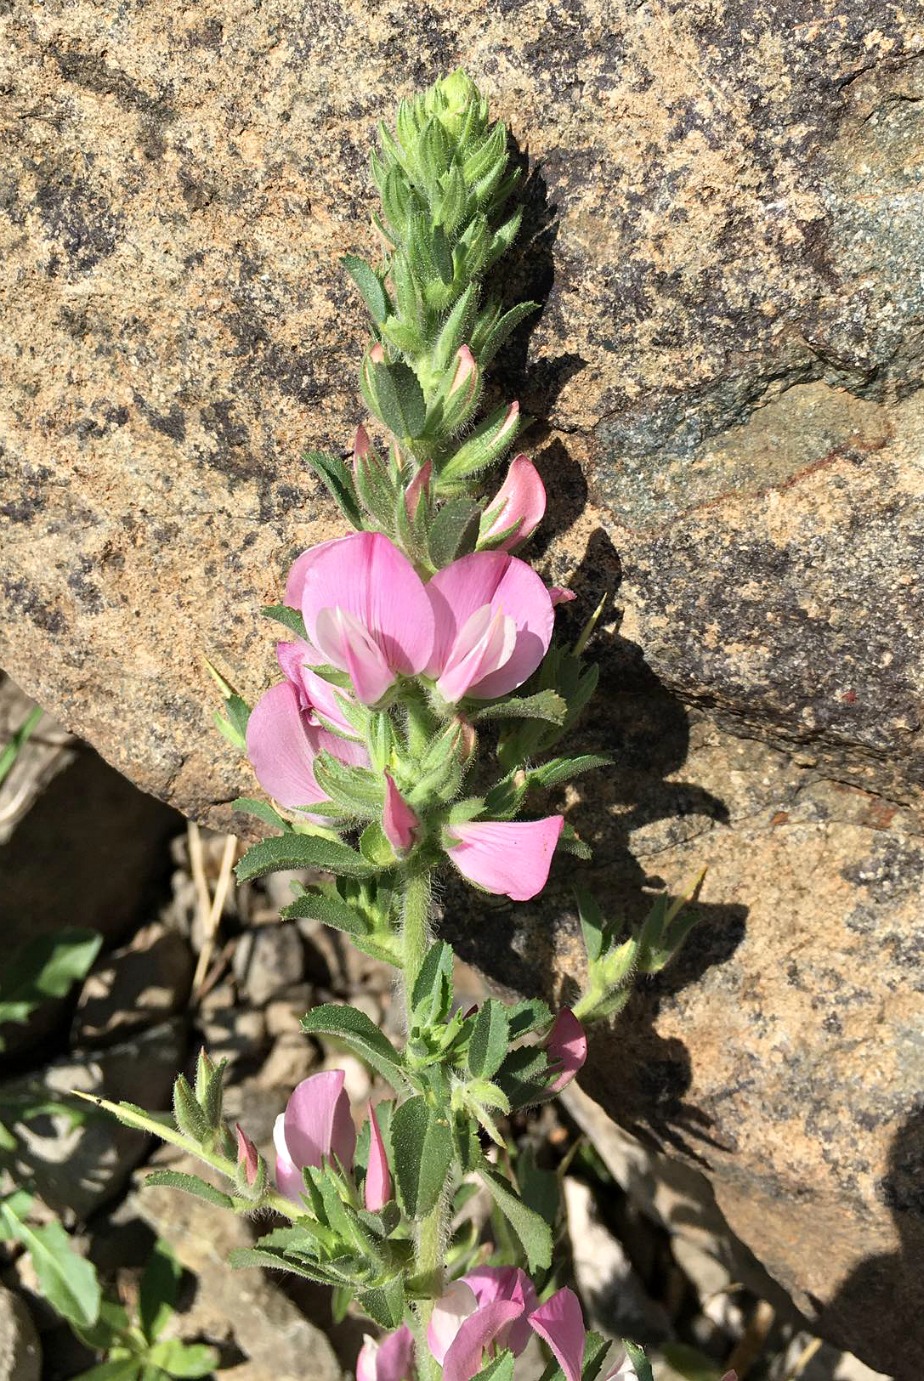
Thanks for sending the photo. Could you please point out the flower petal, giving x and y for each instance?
(366, 575)
(510, 587)
(484, 644)
(318, 1123)
(288, 1177)
(347, 644)
(387, 1360)
(450, 1311)
(282, 747)
(377, 1188)
(297, 660)
(560, 1323)
(399, 822)
(521, 498)
(492, 1283)
(566, 1047)
(477, 1333)
(510, 858)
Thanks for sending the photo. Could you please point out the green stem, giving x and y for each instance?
(430, 1232)
(415, 934)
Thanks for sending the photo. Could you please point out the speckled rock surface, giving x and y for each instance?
(724, 225)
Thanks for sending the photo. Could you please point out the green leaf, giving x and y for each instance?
(595, 1349)
(249, 805)
(376, 491)
(289, 618)
(454, 531)
(593, 926)
(369, 284)
(421, 1155)
(125, 1369)
(329, 910)
(639, 1360)
(528, 1015)
(190, 1184)
(431, 999)
(242, 1257)
(302, 851)
(401, 400)
(181, 1359)
(499, 1369)
(69, 1283)
(534, 1233)
(158, 1291)
(546, 705)
(490, 1037)
(46, 967)
(385, 1303)
(360, 1033)
(564, 769)
(338, 480)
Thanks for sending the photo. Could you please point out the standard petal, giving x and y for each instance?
(560, 1323)
(377, 1188)
(566, 1048)
(295, 581)
(477, 1333)
(510, 587)
(450, 1311)
(492, 1283)
(510, 858)
(282, 747)
(318, 1123)
(366, 575)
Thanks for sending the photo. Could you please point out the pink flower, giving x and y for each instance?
(390, 1359)
(366, 611)
(518, 504)
(566, 1047)
(283, 741)
(496, 1308)
(317, 1126)
(399, 823)
(492, 620)
(509, 857)
(377, 1188)
(247, 1155)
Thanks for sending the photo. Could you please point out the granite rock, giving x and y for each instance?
(723, 225)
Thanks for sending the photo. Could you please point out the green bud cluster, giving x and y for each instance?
(445, 180)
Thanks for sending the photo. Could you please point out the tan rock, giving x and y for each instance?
(729, 354)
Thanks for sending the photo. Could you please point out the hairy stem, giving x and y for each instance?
(415, 932)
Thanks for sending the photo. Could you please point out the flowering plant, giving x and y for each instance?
(423, 696)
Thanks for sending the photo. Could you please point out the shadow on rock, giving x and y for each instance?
(878, 1312)
(639, 1077)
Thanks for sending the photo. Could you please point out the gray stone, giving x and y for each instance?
(78, 1166)
(269, 959)
(278, 1341)
(20, 1350)
(144, 983)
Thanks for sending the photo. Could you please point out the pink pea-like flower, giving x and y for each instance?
(389, 1359)
(518, 504)
(366, 611)
(511, 858)
(493, 620)
(496, 1308)
(316, 1127)
(566, 1048)
(283, 740)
